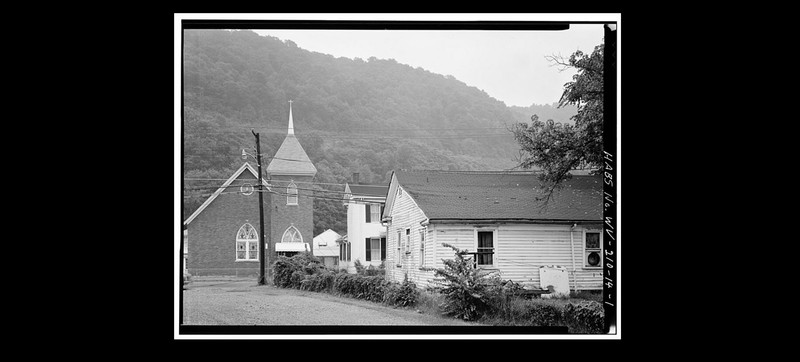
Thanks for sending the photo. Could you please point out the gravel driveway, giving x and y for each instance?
(243, 302)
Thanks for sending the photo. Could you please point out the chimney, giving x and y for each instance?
(355, 178)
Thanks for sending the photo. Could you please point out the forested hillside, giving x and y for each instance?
(367, 116)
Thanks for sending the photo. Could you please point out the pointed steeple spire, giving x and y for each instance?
(291, 158)
(291, 122)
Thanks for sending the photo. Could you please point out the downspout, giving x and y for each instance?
(572, 254)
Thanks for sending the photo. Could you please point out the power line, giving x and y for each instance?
(297, 182)
(409, 137)
(362, 202)
(382, 129)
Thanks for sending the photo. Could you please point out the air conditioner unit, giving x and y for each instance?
(593, 258)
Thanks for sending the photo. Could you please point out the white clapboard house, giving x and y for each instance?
(365, 241)
(497, 217)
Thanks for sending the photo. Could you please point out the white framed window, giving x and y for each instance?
(593, 248)
(422, 236)
(247, 243)
(344, 251)
(408, 241)
(291, 194)
(375, 213)
(399, 246)
(373, 249)
(292, 235)
(485, 242)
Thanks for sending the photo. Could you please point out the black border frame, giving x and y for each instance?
(609, 187)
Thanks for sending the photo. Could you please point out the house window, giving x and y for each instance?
(292, 235)
(291, 194)
(344, 251)
(422, 246)
(399, 246)
(593, 250)
(375, 213)
(246, 243)
(485, 248)
(408, 240)
(373, 246)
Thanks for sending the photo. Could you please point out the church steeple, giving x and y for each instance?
(291, 158)
(291, 121)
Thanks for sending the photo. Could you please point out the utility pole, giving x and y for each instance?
(262, 280)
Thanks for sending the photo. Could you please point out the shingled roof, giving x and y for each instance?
(499, 195)
(291, 159)
(369, 190)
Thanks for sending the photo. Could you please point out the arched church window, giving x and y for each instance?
(247, 243)
(291, 194)
(292, 235)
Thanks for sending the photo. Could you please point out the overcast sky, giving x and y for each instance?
(508, 65)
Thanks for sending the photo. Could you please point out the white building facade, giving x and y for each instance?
(365, 242)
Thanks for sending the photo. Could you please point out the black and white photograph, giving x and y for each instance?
(396, 176)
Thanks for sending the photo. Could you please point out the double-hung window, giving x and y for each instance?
(375, 249)
(408, 240)
(485, 256)
(422, 234)
(397, 255)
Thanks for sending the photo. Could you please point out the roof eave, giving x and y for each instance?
(512, 221)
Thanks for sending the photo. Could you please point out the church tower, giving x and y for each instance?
(291, 209)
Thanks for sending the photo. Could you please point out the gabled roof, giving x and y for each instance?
(500, 195)
(245, 166)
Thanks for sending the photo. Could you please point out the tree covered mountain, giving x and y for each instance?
(351, 115)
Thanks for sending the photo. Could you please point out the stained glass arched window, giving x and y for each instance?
(292, 235)
(247, 243)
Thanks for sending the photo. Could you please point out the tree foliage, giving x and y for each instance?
(555, 148)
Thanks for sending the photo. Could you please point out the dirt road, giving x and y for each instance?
(243, 302)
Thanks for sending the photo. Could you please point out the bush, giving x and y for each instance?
(469, 292)
(291, 272)
(306, 272)
(402, 295)
(370, 288)
(370, 270)
(320, 282)
(545, 315)
(585, 317)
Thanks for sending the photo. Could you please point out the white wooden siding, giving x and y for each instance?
(520, 249)
(407, 215)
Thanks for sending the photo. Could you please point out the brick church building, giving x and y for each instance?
(223, 233)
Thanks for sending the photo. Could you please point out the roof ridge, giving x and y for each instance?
(470, 171)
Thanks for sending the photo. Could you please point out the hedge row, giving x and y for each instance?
(306, 272)
(466, 295)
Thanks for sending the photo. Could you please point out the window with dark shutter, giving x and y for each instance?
(367, 213)
(383, 249)
(369, 249)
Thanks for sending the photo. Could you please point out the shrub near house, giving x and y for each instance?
(306, 272)
(464, 294)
